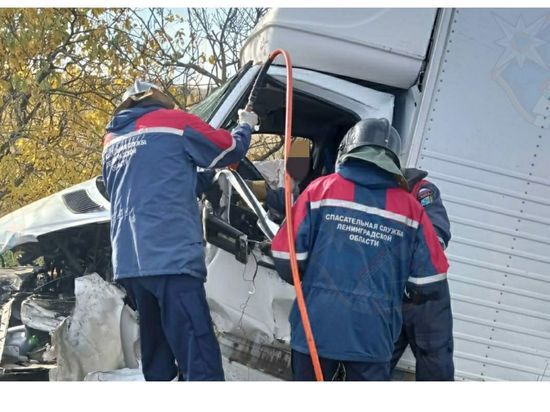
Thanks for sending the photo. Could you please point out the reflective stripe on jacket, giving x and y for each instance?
(359, 240)
(150, 160)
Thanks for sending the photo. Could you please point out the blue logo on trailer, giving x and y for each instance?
(523, 69)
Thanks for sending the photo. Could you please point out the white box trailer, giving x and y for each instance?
(482, 131)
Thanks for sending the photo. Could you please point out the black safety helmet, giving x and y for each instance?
(371, 132)
(142, 90)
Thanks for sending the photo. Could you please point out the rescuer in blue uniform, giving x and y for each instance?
(428, 327)
(150, 158)
(360, 238)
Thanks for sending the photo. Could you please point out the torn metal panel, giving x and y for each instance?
(13, 280)
(248, 301)
(14, 344)
(126, 374)
(45, 314)
(50, 214)
(91, 339)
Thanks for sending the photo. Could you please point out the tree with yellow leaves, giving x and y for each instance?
(56, 94)
(63, 71)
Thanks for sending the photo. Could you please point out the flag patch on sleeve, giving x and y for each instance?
(425, 196)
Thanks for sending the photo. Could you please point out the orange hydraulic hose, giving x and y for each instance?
(289, 227)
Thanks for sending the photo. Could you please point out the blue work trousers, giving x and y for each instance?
(302, 369)
(428, 329)
(175, 326)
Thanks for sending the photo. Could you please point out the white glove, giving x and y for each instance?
(250, 118)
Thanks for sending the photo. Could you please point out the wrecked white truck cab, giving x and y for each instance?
(449, 82)
(249, 302)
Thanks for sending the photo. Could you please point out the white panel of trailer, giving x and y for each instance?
(485, 140)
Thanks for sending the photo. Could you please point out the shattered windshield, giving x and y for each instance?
(206, 108)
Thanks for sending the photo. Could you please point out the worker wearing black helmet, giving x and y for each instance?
(360, 239)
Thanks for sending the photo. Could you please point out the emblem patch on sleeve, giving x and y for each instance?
(425, 196)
